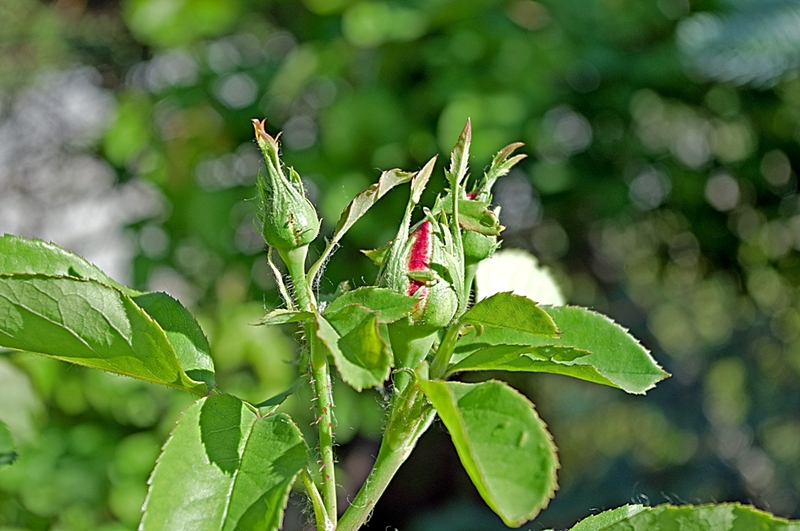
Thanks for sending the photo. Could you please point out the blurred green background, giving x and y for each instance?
(660, 188)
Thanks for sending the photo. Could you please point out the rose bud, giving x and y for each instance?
(288, 219)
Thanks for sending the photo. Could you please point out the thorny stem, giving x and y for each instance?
(320, 376)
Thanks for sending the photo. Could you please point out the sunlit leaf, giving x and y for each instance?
(183, 333)
(22, 255)
(505, 357)
(387, 303)
(513, 312)
(353, 339)
(88, 323)
(616, 358)
(502, 443)
(223, 469)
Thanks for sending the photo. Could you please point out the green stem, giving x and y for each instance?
(411, 415)
(323, 524)
(445, 351)
(320, 376)
(295, 261)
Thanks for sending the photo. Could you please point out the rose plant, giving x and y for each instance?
(230, 464)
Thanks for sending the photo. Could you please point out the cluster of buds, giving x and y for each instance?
(418, 269)
(435, 261)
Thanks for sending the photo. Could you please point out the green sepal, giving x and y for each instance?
(377, 256)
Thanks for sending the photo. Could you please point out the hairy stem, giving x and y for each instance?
(323, 523)
(320, 376)
(411, 416)
(295, 261)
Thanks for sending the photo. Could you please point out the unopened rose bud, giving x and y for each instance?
(438, 301)
(417, 276)
(288, 219)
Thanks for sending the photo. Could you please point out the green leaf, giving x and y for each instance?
(88, 323)
(722, 517)
(21, 255)
(183, 333)
(387, 303)
(616, 358)
(223, 468)
(280, 397)
(8, 452)
(505, 357)
(364, 201)
(283, 316)
(502, 443)
(513, 312)
(607, 518)
(353, 339)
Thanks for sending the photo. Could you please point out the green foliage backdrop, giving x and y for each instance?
(661, 188)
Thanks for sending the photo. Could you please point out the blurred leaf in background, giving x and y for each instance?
(660, 188)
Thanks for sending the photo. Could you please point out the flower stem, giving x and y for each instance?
(320, 376)
(411, 415)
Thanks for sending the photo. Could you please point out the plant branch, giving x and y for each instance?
(411, 415)
(320, 377)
